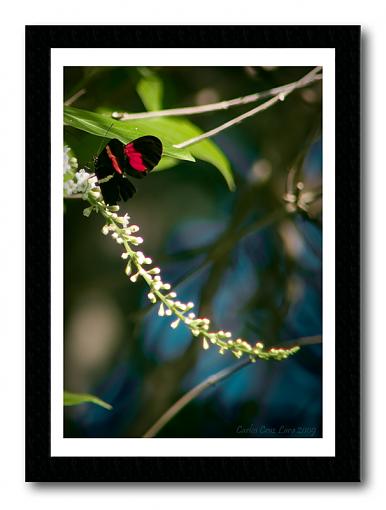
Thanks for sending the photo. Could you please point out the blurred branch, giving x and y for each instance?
(220, 248)
(299, 199)
(191, 395)
(212, 380)
(227, 241)
(306, 80)
(304, 340)
(222, 105)
(73, 98)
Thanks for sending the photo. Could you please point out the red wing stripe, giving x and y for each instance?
(114, 160)
(135, 158)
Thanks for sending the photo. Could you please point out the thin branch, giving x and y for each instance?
(222, 105)
(221, 245)
(305, 340)
(306, 80)
(191, 395)
(219, 248)
(212, 380)
(73, 98)
(225, 243)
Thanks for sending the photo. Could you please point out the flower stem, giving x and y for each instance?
(161, 292)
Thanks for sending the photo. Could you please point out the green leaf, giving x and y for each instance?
(206, 150)
(150, 90)
(165, 164)
(102, 125)
(170, 130)
(74, 399)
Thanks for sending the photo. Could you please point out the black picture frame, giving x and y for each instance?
(345, 465)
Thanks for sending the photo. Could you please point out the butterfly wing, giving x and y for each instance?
(126, 188)
(109, 167)
(142, 155)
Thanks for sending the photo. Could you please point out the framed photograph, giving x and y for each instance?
(192, 248)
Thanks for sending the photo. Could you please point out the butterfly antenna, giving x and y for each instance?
(104, 137)
(100, 144)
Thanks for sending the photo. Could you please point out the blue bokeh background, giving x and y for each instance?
(266, 284)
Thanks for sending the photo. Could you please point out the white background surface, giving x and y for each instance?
(14, 492)
(186, 447)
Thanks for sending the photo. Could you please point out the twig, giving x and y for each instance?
(305, 340)
(219, 248)
(191, 395)
(222, 105)
(211, 381)
(73, 98)
(306, 80)
(222, 245)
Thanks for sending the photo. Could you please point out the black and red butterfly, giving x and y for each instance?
(117, 161)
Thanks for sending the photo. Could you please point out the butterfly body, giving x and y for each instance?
(117, 161)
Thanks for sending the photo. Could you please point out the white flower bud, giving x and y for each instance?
(135, 240)
(140, 257)
(205, 344)
(125, 220)
(175, 323)
(152, 297)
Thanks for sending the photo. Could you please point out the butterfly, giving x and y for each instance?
(117, 161)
